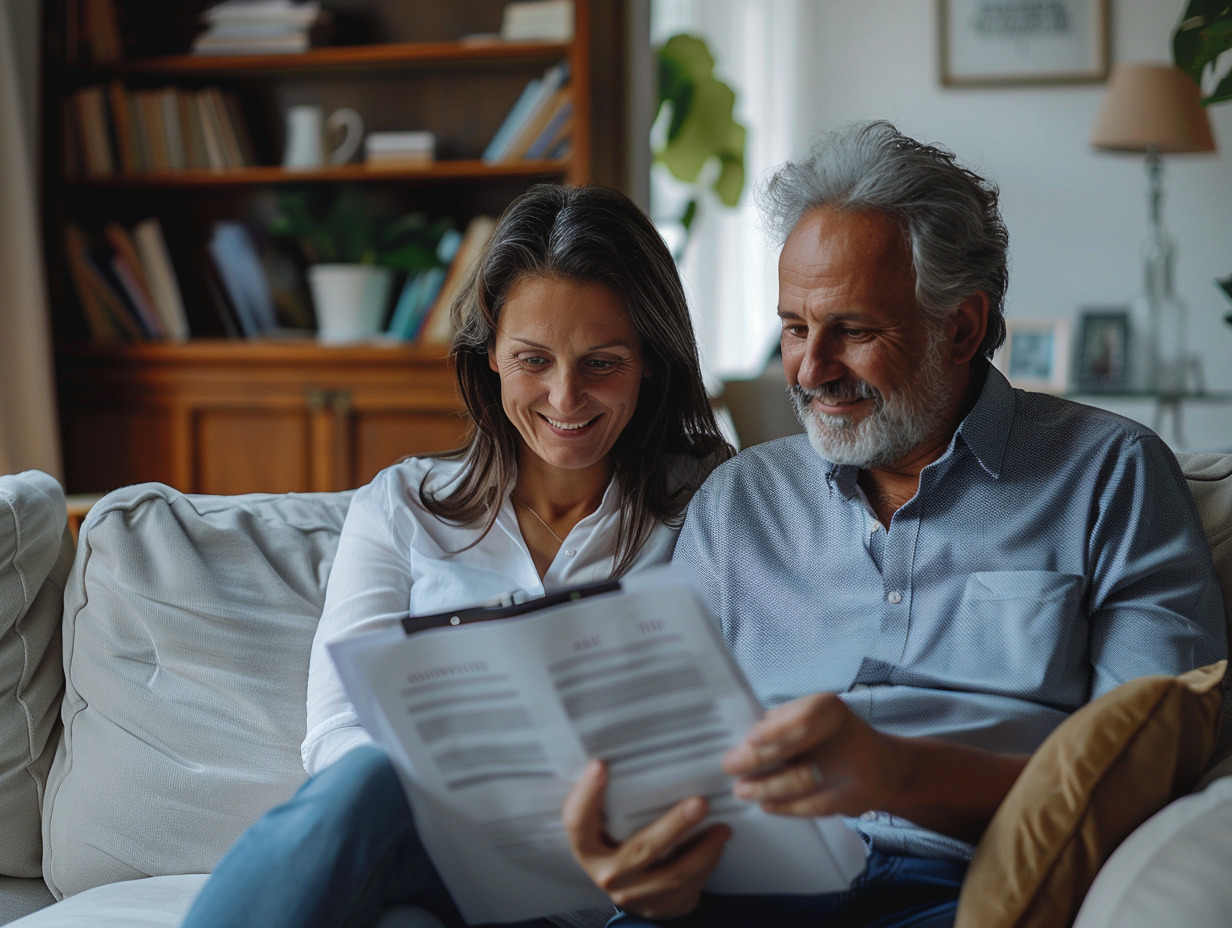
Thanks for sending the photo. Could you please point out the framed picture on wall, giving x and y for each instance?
(1102, 358)
(991, 42)
(1035, 355)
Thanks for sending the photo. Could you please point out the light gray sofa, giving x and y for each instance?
(152, 687)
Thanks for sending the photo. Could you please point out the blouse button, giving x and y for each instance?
(894, 597)
(570, 552)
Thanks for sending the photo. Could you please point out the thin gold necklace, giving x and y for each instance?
(526, 506)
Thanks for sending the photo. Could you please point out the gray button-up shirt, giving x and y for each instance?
(1050, 554)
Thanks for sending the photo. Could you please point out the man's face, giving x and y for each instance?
(871, 379)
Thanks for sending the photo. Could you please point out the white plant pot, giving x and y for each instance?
(349, 300)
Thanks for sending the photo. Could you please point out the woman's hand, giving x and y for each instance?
(657, 873)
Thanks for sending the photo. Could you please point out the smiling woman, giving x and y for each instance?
(574, 473)
(571, 369)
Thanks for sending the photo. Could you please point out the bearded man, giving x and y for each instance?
(934, 577)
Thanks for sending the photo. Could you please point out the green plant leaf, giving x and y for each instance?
(1200, 38)
(1226, 286)
(344, 227)
(701, 127)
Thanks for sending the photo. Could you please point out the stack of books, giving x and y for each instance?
(399, 149)
(257, 27)
(537, 21)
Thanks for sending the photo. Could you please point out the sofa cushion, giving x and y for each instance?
(36, 553)
(188, 621)
(154, 902)
(1209, 476)
(1101, 773)
(20, 896)
(1171, 871)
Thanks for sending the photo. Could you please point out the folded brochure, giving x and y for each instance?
(490, 723)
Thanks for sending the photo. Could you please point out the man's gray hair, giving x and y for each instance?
(948, 213)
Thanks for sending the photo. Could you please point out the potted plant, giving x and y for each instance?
(352, 255)
(1202, 42)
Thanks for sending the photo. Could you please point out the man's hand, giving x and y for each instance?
(814, 756)
(657, 873)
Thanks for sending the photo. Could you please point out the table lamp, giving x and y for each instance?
(1155, 109)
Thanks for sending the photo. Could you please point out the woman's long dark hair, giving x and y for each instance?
(589, 234)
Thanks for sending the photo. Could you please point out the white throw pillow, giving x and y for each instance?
(36, 553)
(188, 622)
(1171, 871)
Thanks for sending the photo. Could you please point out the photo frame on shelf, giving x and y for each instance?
(1102, 355)
(1036, 354)
(1008, 42)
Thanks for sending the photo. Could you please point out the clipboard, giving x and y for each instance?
(456, 617)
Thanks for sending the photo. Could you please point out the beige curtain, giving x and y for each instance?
(28, 430)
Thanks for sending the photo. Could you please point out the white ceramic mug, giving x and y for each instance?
(307, 129)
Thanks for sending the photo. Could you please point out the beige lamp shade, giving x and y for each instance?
(1152, 107)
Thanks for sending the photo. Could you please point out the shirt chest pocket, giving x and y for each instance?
(1022, 632)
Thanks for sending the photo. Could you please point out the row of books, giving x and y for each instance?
(126, 283)
(421, 312)
(540, 122)
(129, 288)
(114, 130)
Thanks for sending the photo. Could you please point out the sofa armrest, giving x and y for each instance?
(1173, 870)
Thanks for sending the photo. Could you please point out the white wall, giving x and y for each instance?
(1077, 218)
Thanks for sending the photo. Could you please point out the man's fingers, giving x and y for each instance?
(793, 781)
(785, 732)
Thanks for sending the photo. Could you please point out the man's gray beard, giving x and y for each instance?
(894, 428)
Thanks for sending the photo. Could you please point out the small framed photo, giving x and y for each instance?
(1035, 355)
(1000, 42)
(1102, 358)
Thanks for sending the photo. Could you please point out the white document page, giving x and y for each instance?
(491, 723)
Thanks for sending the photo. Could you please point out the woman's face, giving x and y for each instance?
(571, 365)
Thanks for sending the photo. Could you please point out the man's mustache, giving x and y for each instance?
(837, 391)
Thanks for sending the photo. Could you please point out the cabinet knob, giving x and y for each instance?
(340, 400)
(316, 399)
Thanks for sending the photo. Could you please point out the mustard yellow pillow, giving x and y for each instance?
(1104, 771)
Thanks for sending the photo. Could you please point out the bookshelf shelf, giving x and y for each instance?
(263, 175)
(349, 58)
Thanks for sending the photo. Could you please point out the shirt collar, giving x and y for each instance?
(985, 431)
(986, 428)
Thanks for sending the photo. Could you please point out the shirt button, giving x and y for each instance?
(894, 597)
(868, 816)
(570, 552)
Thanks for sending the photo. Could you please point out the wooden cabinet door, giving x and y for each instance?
(243, 418)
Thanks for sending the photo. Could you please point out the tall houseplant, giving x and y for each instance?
(1201, 46)
(697, 139)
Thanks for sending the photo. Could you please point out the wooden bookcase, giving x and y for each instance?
(225, 415)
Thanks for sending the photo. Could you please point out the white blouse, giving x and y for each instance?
(394, 558)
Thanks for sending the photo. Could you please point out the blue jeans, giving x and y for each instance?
(336, 855)
(892, 892)
(344, 848)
